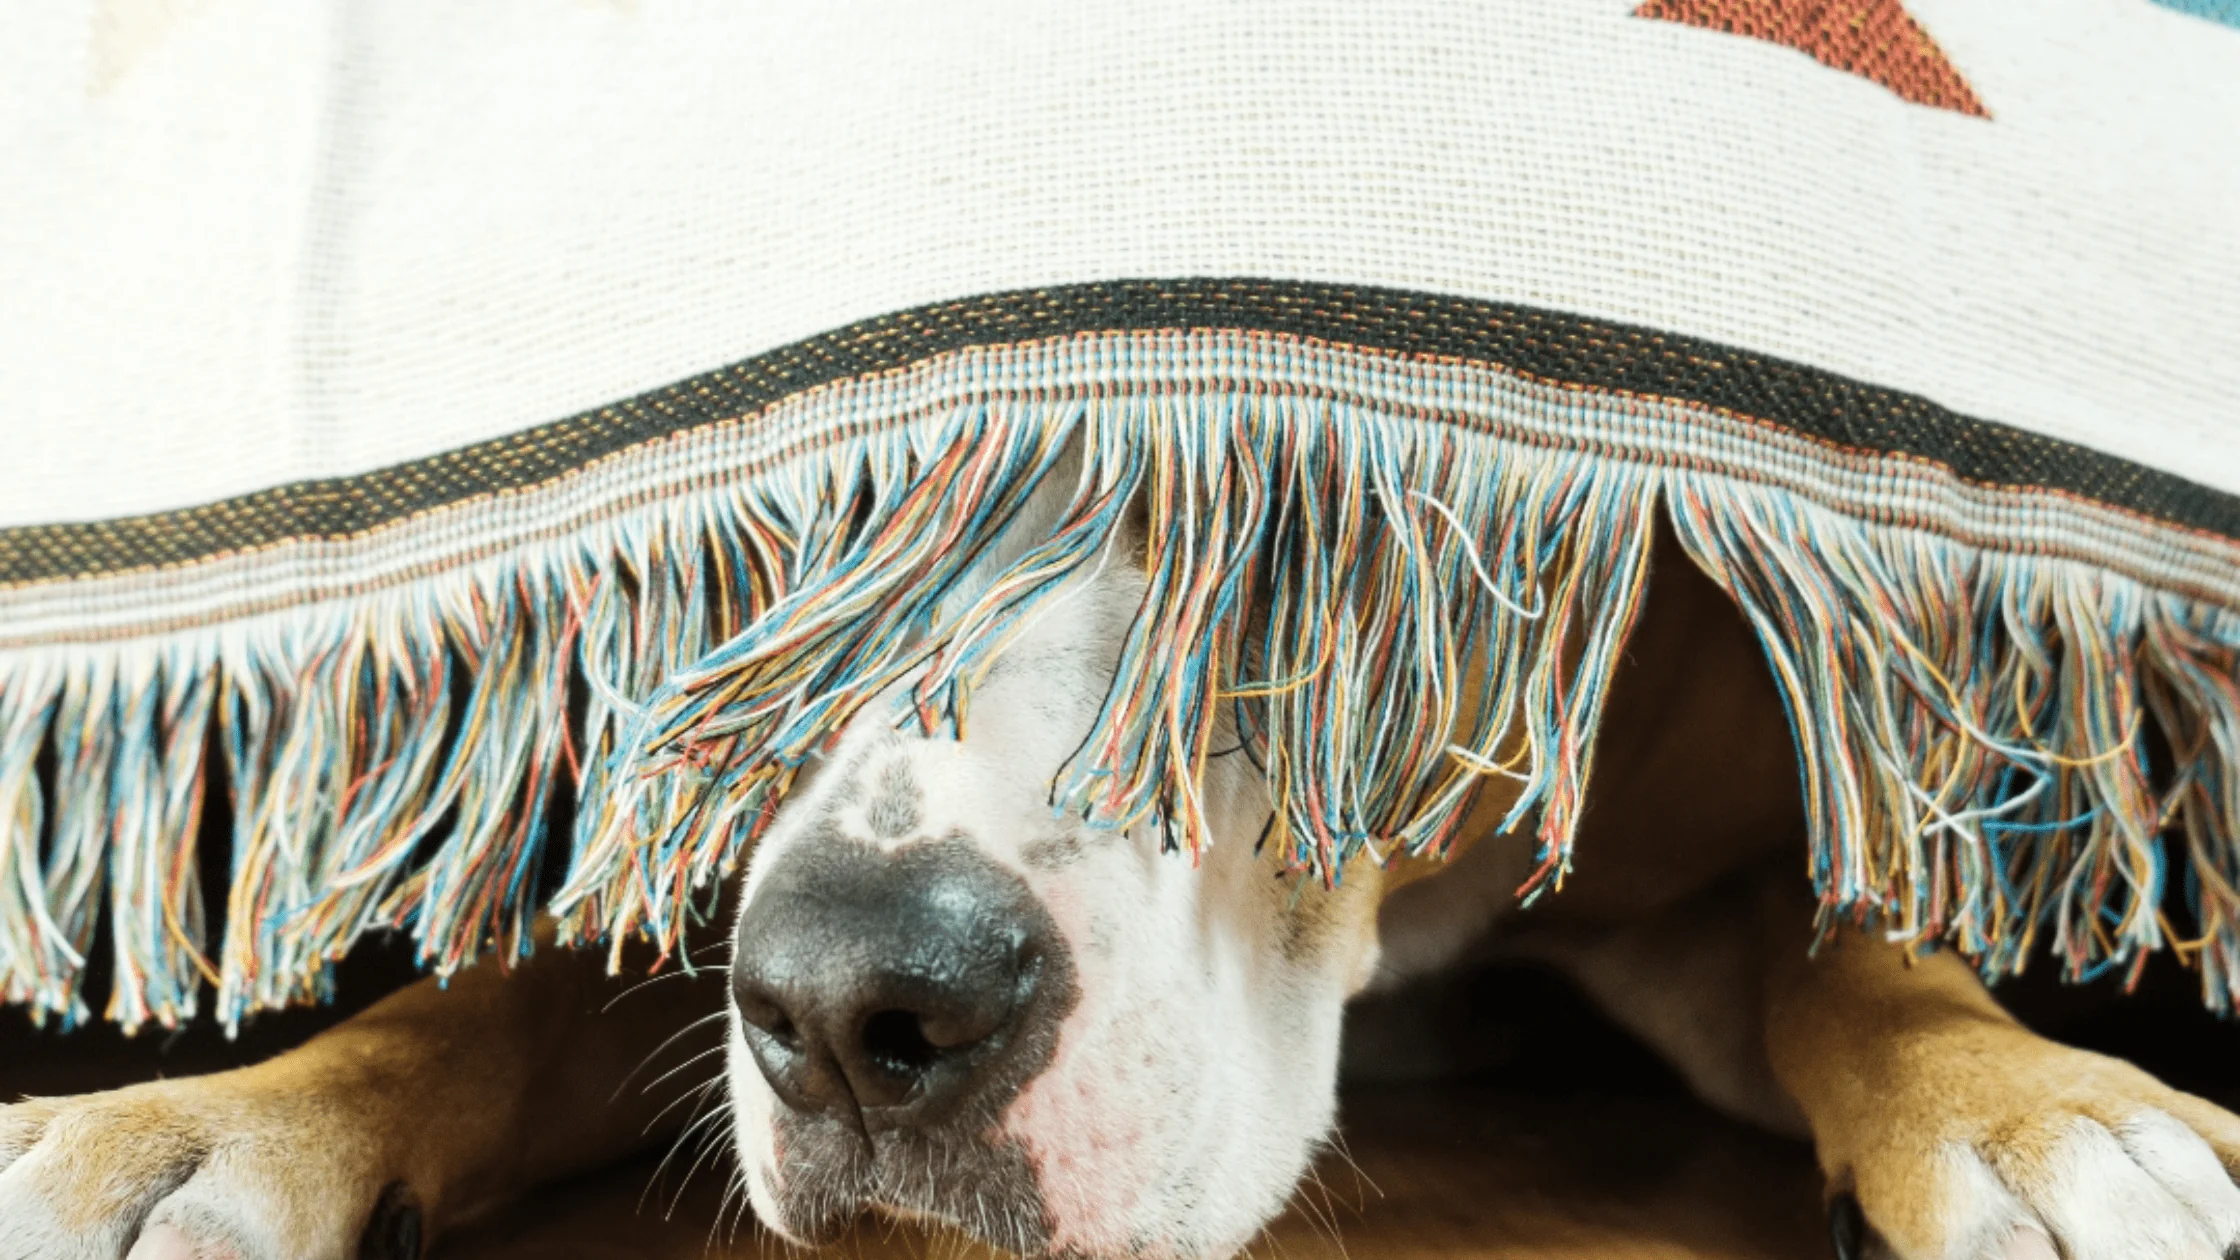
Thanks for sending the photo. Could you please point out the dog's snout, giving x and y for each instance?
(885, 989)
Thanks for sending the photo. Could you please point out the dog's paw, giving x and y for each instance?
(206, 1168)
(2031, 1151)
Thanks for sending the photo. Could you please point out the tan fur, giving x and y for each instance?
(468, 1094)
(1893, 1059)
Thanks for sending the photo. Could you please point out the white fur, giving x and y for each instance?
(1196, 1075)
(2188, 1169)
(2150, 1189)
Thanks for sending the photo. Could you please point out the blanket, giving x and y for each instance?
(461, 459)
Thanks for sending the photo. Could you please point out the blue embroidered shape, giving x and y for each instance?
(2225, 11)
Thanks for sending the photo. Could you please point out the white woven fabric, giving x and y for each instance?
(247, 242)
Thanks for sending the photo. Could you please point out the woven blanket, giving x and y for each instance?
(459, 459)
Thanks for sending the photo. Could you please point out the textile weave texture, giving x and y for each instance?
(462, 461)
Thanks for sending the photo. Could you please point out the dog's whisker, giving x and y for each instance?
(707, 1148)
(697, 1092)
(657, 1051)
(731, 1192)
(734, 1190)
(692, 1123)
(742, 1217)
(665, 1077)
(1304, 1204)
(715, 1222)
(1327, 1213)
(1336, 1143)
(711, 1144)
(650, 981)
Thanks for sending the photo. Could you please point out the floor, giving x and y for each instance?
(1603, 1155)
(1526, 1128)
(1433, 1176)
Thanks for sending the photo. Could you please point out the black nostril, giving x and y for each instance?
(764, 1013)
(783, 1032)
(889, 989)
(896, 1041)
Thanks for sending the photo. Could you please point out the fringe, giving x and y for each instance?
(1390, 609)
(1973, 736)
(39, 965)
(1366, 715)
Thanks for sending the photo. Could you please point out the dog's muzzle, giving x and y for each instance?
(896, 1002)
(884, 990)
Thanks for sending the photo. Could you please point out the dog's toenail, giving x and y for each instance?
(1847, 1227)
(393, 1231)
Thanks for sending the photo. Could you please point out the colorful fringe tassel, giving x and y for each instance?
(1392, 607)
(1972, 731)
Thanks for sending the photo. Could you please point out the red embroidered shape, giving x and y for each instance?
(1874, 39)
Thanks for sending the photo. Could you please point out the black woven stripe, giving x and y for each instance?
(1552, 346)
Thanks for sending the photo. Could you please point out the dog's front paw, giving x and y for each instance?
(224, 1167)
(2019, 1149)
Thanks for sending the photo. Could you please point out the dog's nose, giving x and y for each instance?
(885, 989)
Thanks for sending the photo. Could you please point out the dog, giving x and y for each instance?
(947, 1002)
